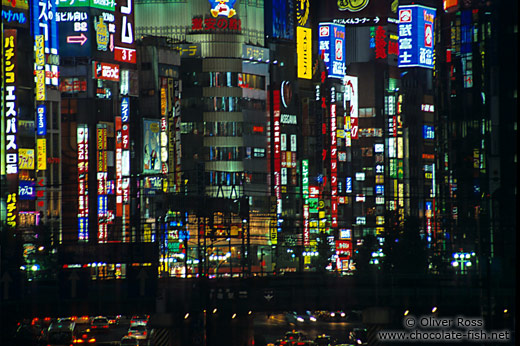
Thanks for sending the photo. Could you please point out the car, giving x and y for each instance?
(60, 334)
(99, 323)
(292, 338)
(82, 320)
(139, 319)
(333, 316)
(84, 337)
(294, 317)
(358, 336)
(324, 340)
(114, 320)
(28, 334)
(294, 335)
(129, 341)
(138, 331)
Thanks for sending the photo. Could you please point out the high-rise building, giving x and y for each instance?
(224, 124)
(476, 101)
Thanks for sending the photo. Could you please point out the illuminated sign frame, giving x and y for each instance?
(332, 48)
(416, 36)
(351, 86)
(83, 170)
(304, 52)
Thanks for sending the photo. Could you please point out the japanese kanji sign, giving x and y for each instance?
(416, 36)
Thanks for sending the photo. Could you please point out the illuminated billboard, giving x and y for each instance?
(351, 93)
(332, 48)
(102, 175)
(306, 208)
(151, 146)
(83, 169)
(74, 28)
(44, 29)
(26, 158)
(277, 150)
(105, 71)
(416, 36)
(124, 43)
(358, 12)
(333, 167)
(304, 51)
(108, 5)
(222, 8)
(281, 14)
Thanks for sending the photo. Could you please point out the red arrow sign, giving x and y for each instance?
(81, 39)
(40, 182)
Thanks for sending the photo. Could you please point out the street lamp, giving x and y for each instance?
(462, 260)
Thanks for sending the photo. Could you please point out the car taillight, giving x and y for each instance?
(129, 333)
(105, 326)
(78, 341)
(144, 333)
(92, 340)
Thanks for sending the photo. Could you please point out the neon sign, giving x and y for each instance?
(332, 48)
(83, 209)
(416, 36)
(14, 17)
(352, 5)
(351, 91)
(106, 71)
(124, 49)
(216, 24)
(222, 8)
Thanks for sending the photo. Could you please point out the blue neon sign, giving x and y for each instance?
(416, 36)
(41, 120)
(332, 48)
(348, 186)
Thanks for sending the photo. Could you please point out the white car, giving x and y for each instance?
(138, 331)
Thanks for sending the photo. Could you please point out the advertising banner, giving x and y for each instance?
(74, 26)
(124, 42)
(332, 48)
(351, 89)
(15, 13)
(83, 169)
(304, 52)
(41, 151)
(416, 36)
(344, 248)
(105, 71)
(26, 158)
(151, 146)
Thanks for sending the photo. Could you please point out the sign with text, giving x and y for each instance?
(124, 39)
(304, 52)
(416, 36)
(332, 48)
(105, 71)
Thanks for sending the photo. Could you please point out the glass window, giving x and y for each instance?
(222, 104)
(225, 154)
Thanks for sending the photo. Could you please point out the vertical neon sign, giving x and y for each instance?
(332, 48)
(83, 211)
(125, 160)
(305, 191)
(102, 174)
(351, 84)
(277, 155)
(333, 167)
(9, 47)
(416, 36)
